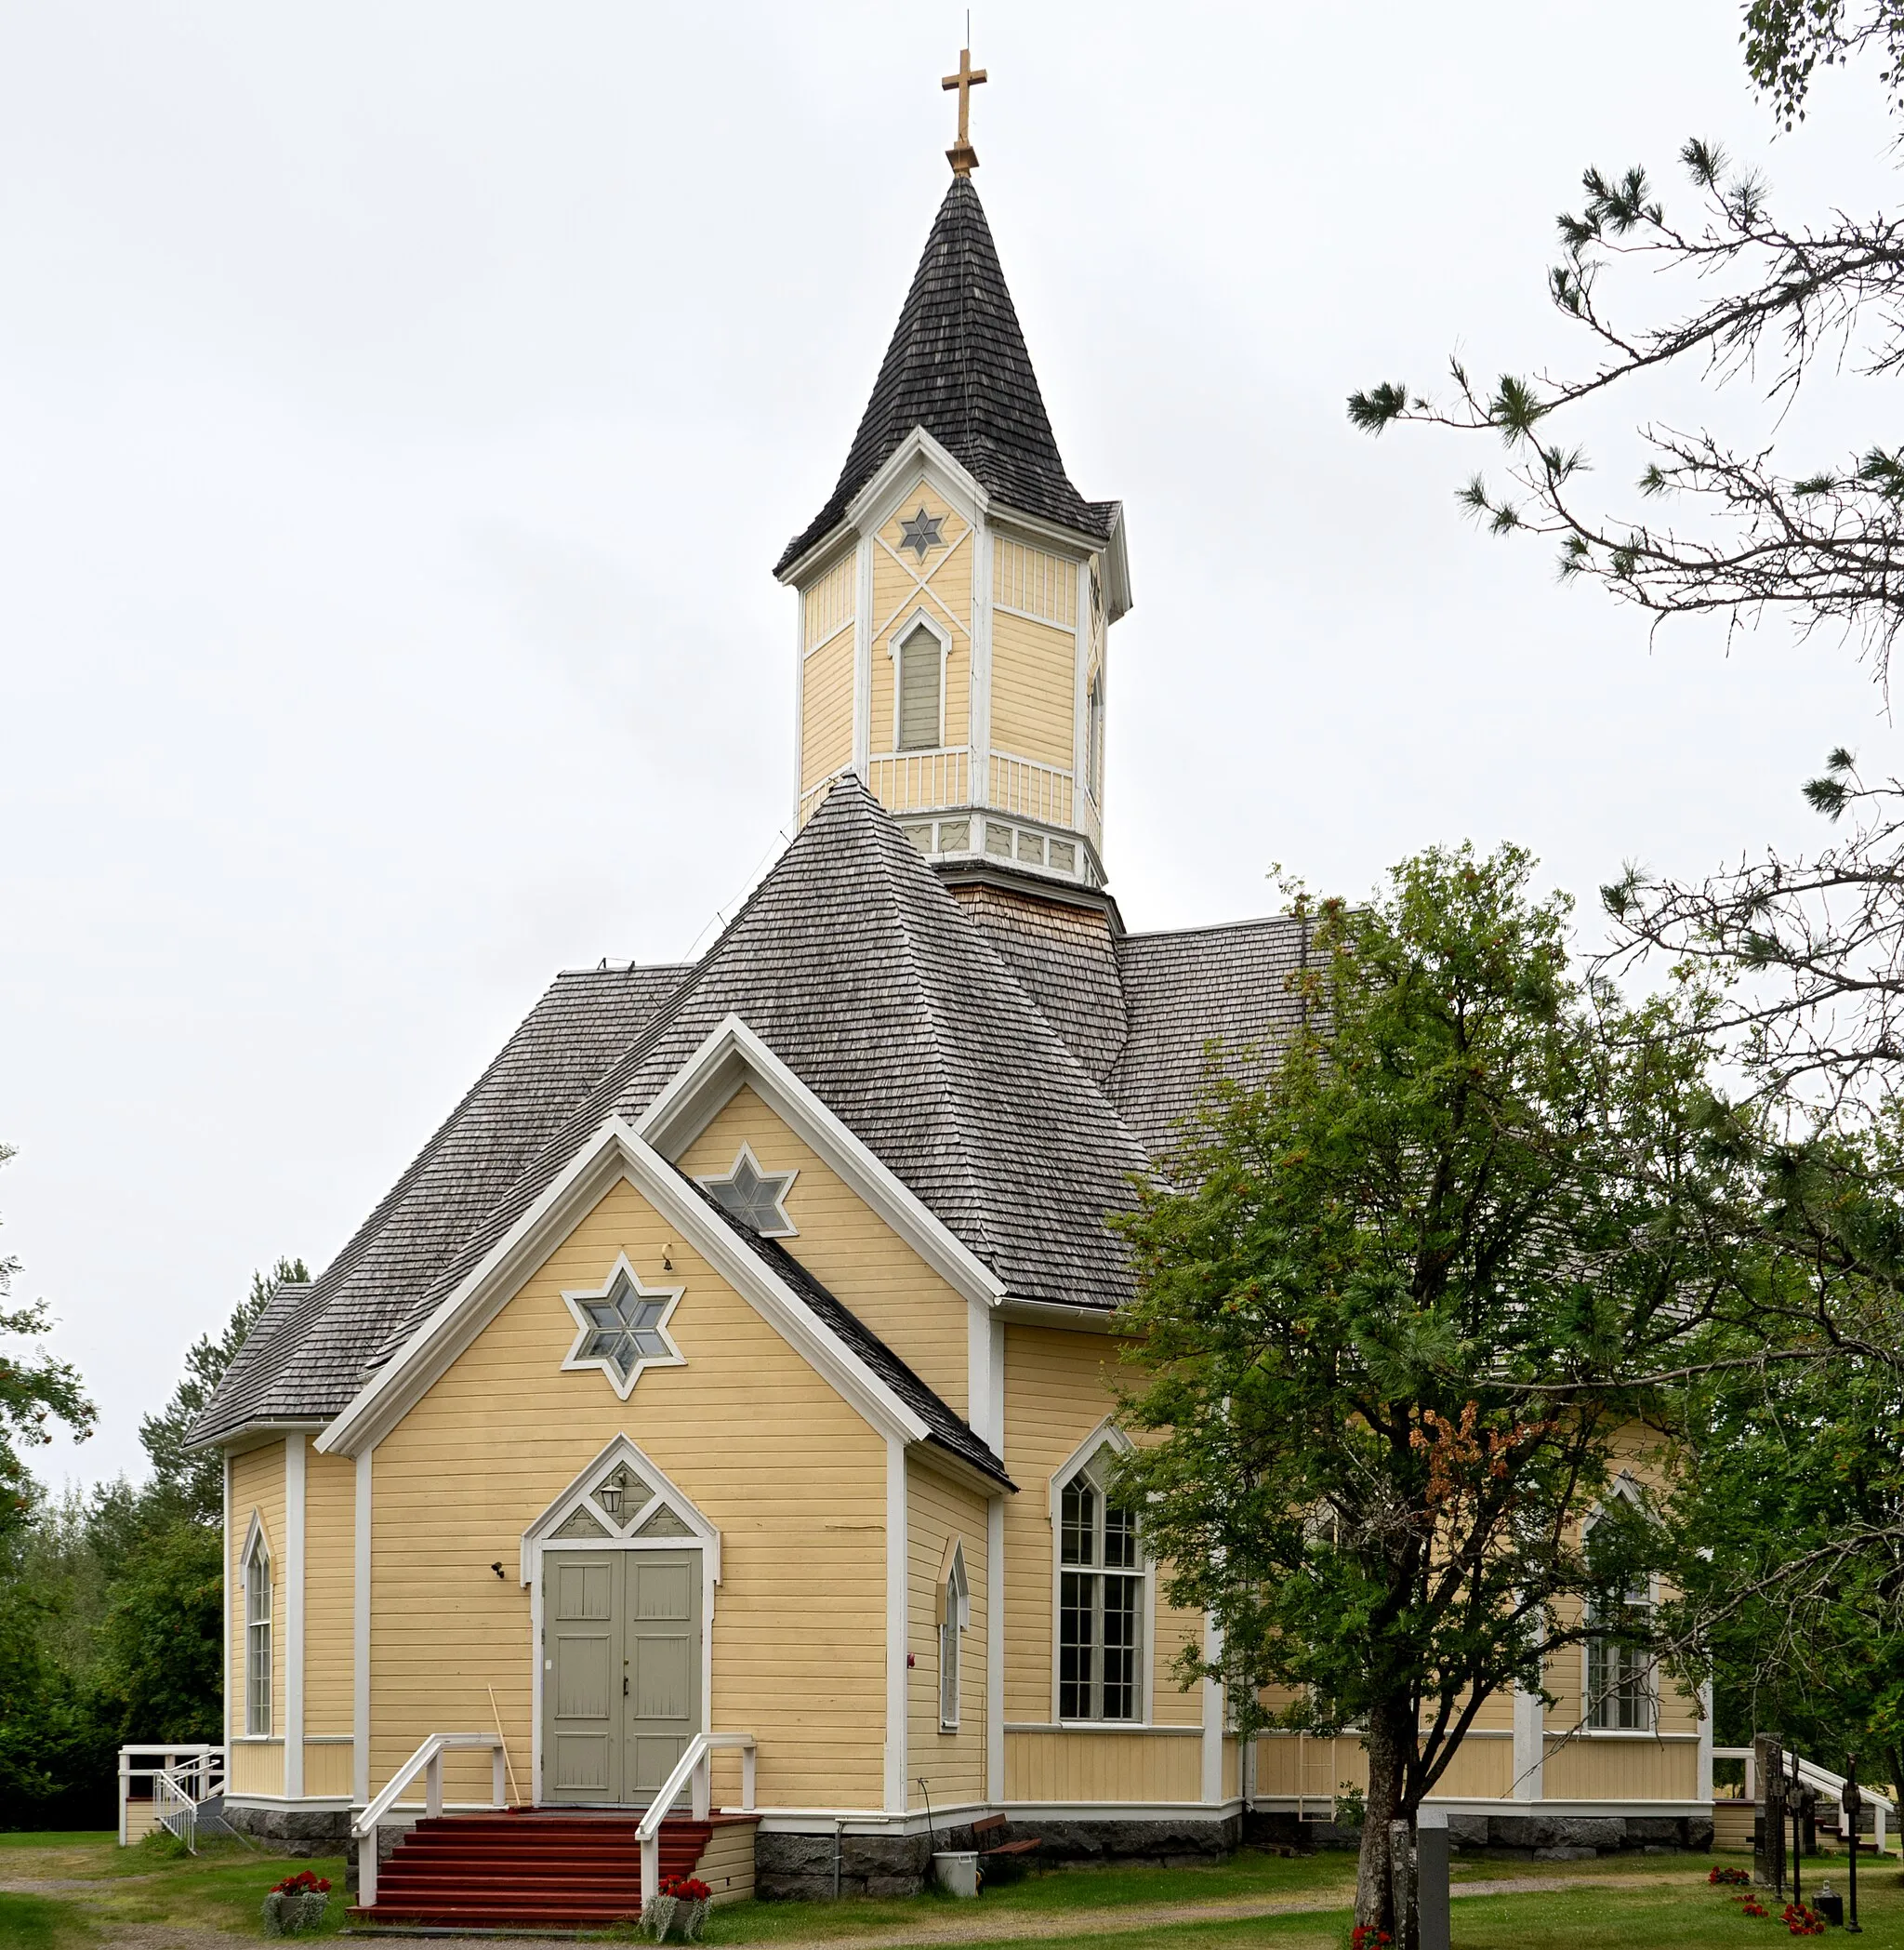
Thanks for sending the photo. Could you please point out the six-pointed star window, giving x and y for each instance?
(624, 1329)
(754, 1197)
(922, 534)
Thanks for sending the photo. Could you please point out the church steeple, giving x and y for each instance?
(956, 588)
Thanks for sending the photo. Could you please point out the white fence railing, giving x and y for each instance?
(428, 1761)
(1829, 1786)
(694, 1766)
(1030, 788)
(189, 1774)
(919, 781)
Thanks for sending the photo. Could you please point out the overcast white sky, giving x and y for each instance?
(400, 409)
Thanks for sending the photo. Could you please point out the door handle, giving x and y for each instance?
(624, 1685)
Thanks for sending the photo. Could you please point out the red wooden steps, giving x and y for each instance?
(525, 1866)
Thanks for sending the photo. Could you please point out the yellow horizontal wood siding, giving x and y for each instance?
(1071, 1766)
(1734, 1824)
(846, 1246)
(794, 1480)
(258, 1484)
(1034, 688)
(951, 1765)
(1057, 1390)
(255, 1767)
(330, 1532)
(327, 1769)
(1620, 1770)
(826, 710)
(941, 587)
(727, 1862)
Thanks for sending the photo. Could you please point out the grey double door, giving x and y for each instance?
(621, 1673)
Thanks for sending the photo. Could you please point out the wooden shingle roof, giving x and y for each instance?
(959, 367)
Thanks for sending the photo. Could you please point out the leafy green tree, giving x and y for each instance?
(195, 1477)
(1790, 1498)
(1403, 1312)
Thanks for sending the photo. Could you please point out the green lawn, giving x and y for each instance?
(73, 1892)
(92, 1890)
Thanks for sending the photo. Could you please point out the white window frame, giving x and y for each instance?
(954, 1614)
(895, 649)
(1647, 1689)
(1091, 1458)
(258, 1717)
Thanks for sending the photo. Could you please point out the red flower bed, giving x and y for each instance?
(1730, 1875)
(303, 1883)
(1365, 1936)
(1800, 1921)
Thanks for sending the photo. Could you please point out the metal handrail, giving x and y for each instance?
(428, 1761)
(693, 1765)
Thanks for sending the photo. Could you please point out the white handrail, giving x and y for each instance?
(1830, 1785)
(175, 1810)
(428, 1761)
(197, 1772)
(693, 1765)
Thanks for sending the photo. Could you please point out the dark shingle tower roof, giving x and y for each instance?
(957, 367)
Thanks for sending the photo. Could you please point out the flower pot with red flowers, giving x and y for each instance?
(679, 1910)
(1366, 1936)
(296, 1906)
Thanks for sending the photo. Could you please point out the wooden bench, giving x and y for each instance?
(1003, 1853)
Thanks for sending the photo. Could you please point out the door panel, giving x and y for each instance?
(664, 1666)
(582, 1709)
(621, 1679)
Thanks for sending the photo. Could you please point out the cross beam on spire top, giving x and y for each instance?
(962, 156)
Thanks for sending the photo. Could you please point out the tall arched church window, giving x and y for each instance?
(257, 1637)
(954, 1614)
(1619, 1675)
(1101, 1597)
(921, 705)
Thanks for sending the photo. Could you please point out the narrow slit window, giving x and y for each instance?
(921, 681)
(1099, 1606)
(258, 1638)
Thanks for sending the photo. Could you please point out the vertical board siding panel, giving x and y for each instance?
(1068, 1767)
(952, 1764)
(793, 1479)
(1589, 1770)
(330, 1487)
(847, 1247)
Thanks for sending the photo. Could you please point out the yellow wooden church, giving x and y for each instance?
(715, 1413)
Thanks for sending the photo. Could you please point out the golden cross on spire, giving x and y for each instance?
(962, 156)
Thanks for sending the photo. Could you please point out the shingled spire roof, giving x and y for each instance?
(957, 367)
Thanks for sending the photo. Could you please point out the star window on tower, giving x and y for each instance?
(922, 534)
(624, 1329)
(756, 1198)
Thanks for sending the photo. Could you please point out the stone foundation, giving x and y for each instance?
(803, 1865)
(1514, 1838)
(293, 1831)
(818, 1866)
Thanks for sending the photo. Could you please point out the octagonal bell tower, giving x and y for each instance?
(955, 592)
